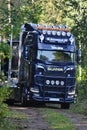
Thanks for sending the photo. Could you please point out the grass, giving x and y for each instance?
(57, 121)
(16, 114)
(7, 125)
(12, 121)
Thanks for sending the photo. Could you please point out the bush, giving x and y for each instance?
(4, 94)
(82, 89)
(4, 88)
(82, 84)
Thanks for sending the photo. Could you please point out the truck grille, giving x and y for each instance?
(54, 82)
(54, 95)
(54, 89)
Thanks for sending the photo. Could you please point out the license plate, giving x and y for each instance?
(54, 99)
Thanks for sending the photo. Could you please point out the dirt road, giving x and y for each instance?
(35, 121)
(80, 121)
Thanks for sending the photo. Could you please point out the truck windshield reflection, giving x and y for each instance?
(56, 56)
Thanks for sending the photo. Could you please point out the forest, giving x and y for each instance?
(73, 13)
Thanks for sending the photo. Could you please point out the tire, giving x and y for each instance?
(10, 102)
(23, 101)
(39, 104)
(65, 105)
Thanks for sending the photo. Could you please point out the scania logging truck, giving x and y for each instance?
(46, 65)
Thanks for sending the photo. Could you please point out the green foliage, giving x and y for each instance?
(82, 89)
(82, 85)
(4, 88)
(4, 50)
(4, 94)
(3, 111)
(51, 14)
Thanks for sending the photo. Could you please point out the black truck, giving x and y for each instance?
(46, 65)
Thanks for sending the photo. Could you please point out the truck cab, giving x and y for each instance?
(47, 64)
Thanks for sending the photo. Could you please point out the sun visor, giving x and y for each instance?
(50, 47)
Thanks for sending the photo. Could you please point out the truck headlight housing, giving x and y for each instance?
(71, 92)
(40, 69)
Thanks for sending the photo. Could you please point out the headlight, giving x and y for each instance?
(57, 82)
(52, 82)
(62, 83)
(48, 82)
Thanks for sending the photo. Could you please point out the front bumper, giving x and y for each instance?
(53, 97)
(56, 100)
(53, 92)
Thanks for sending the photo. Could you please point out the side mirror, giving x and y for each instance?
(78, 56)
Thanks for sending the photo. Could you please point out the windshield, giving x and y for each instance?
(55, 56)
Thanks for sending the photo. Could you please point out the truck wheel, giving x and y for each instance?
(38, 104)
(23, 101)
(65, 105)
(10, 102)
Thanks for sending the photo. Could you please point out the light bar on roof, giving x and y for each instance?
(49, 32)
(63, 33)
(53, 33)
(58, 33)
(68, 34)
(59, 29)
